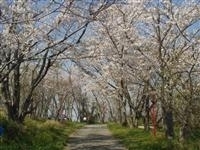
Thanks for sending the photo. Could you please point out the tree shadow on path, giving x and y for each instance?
(94, 142)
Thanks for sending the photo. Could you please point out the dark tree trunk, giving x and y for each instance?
(168, 120)
(132, 118)
(185, 132)
(16, 90)
(12, 100)
(146, 117)
(120, 111)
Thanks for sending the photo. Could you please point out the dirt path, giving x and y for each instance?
(93, 137)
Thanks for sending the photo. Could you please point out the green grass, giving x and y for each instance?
(36, 135)
(138, 139)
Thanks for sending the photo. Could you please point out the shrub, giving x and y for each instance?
(36, 135)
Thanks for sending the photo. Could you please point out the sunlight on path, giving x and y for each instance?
(93, 137)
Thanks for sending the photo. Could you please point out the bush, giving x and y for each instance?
(36, 135)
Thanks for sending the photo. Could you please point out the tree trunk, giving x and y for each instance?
(146, 117)
(12, 101)
(132, 118)
(168, 120)
(185, 132)
(119, 111)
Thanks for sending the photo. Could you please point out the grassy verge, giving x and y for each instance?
(138, 139)
(36, 135)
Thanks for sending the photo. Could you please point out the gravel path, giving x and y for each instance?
(93, 137)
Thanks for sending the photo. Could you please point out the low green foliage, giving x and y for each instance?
(138, 139)
(36, 135)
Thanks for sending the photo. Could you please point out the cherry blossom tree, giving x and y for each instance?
(172, 30)
(153, 48)
(33, 36)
